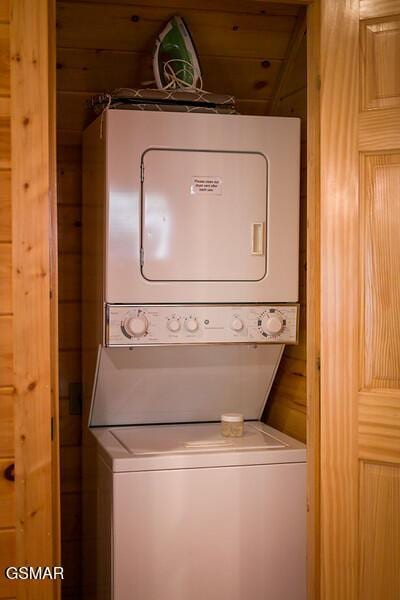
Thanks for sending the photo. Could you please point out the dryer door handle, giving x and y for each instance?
(257, 239)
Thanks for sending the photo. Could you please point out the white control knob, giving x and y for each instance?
(237, 324)
(173, 325)
(191, 325)
(136, 326)
(272, 323)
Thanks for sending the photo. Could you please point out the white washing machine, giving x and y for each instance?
(190, 289)
(188, 514)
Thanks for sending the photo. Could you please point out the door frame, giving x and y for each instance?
(36, 400)
(35, 297)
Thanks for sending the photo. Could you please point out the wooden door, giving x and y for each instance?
(360, 299)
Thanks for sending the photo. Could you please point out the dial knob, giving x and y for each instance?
(237, 324)
(191, 325)
(136, 326)
(173, 325)
(272, 323)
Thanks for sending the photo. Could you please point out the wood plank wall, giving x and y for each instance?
(286, 408)
(7, 496)
(105, 45)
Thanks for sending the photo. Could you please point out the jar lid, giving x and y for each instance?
(232, 417)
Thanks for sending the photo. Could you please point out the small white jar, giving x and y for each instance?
(232, 425)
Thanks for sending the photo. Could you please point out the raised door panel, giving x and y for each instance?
(379, 531)
(380, 39)
(380, 204)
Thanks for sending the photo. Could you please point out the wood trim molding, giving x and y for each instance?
(313, 299)
(31, 172)
(339, 297)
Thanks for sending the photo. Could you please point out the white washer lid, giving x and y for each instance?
(181, 384)
(196, 445)
(196, 437)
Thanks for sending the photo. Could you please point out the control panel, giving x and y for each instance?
(142, 325)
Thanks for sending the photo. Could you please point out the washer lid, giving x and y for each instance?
(182, 384)
(196, 437)
(195, 445)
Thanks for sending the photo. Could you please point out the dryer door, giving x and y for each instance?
(204, 215)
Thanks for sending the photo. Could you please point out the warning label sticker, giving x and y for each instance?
(206, 185)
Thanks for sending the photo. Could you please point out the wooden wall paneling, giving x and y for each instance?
(4, 59)
(7, 495)
(8, 587)
(5, 279)
(287, 405)
(91, 71)
(133, 27)
(4, 11)
(69, 210)
(5, 143)
(6, 352)
(5, 206)
(7, 487)
(32, 188)
(255, 7)
(287, 69)
(6, 422)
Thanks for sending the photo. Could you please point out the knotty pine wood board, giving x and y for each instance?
(6, 366)
(7, 499)
(4, 11)
(4, 59)
(5, 143)
(69, 179)
(8, 587)
(70, 326)
(71, 558)
(69, 277)
(70, 469)
(69, 228)
(94, 71)
(5, 279)
(287, 404)
(254, 7)
(70, 428)
(120, 27)
(70, 370)
(71, 516)
(5, 206)
(6, 425)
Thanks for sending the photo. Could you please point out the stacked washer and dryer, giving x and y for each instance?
(191, 236)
